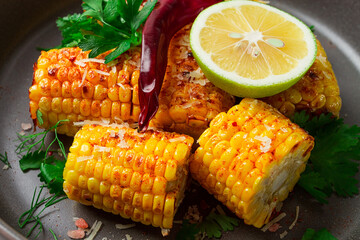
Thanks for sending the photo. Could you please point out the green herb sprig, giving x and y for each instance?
(322, 234)
(105, 25)
(29, 142)
(33, 215)
(4, 159)
(53, 234)
(332, 166)
(212, 226)
(51, 171)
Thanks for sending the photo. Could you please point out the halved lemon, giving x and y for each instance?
(251, 49)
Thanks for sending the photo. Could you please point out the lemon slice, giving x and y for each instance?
(250, 49)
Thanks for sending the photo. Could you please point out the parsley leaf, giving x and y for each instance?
(52, 176)
(33, 160)
(322, 234)
(331, 167)
(212, 226)
(113, 24)
(215, 223)
(187, 231)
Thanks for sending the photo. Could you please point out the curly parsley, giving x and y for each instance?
(212, 226)
(332, 166)
(105, 25)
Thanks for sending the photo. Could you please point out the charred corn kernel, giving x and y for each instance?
(244, 171)
(313, 92)
(147, 218)
(187, 103)
(107, 168)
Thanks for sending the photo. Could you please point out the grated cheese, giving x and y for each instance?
(102, 149)
(124, 226)
(268, 127)
(80, 63)
(188, 105)
(123, 143)
(275, 220)
(94, 230)
(201, 82)
(95, 60)
(84, 158)
(178, 139)
(265, 143)
(102, 72)
(113, 69)
(322, 59)
(112, 133)
(296, 218)
(128, 237)
(6, 167)
(120, 85)
(83, 77)
(89, 122)
(165, 232)
(279, 206)
(326, 74)
(282, 235)
(284, 129)
(140, 135)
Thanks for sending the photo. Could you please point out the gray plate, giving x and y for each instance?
(26, 25)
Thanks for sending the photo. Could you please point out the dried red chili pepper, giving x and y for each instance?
(168, 17)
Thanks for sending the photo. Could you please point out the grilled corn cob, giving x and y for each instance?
(188, 101)
(250, 158)
(139, 176)
(317, 92)
(69, 85)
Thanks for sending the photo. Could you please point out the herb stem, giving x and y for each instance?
(53, 234)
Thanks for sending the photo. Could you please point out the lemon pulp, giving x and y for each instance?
(247, 44)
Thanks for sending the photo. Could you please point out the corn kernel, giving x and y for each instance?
(115, 191)
(93, 185)
(159, 185)
(158, 204)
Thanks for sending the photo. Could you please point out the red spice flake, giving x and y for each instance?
(234, 124)
(52, 71)
(81, 223)
(274, 227)
(50, 153)
(76, 234)
(72, 58)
